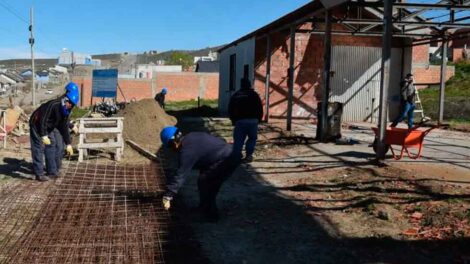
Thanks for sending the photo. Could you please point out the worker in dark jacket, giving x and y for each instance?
(48, 130)
(245, 110)
(211, 155)
(408, 93)
(160, 97)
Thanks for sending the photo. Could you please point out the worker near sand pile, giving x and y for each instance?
(245, 110)
(408, 93)
(160, 97)
(199, 150)
(48, 128)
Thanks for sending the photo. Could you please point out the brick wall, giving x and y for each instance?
(420, 54)
(308, 70)
(430, 73)
(181, 86)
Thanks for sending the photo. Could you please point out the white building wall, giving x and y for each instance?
(245, 55)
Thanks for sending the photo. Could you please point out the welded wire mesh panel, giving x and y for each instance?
(98, 214)
(20, 205)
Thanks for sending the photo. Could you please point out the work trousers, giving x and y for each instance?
(53, 153)
(210, 181)
(408, 111)
(245, 128)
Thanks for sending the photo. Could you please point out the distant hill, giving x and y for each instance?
(39, 64)
(115, 59)
(123, 61)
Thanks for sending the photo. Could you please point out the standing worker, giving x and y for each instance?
(46, 122)
(160, 97)
(245, 110)
(199, 150)
(408, 93)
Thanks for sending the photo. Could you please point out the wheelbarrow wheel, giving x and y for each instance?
(376, 144)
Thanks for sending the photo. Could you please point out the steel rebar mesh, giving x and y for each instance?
(95, 213)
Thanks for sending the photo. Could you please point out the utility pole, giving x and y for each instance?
(31, 42)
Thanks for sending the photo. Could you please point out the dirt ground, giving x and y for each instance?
(294, 204)
(302, 201)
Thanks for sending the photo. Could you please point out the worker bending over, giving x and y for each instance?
(48, 132)
(199, 150)
(160, 98)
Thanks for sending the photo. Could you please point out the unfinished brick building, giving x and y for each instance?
(264, 57)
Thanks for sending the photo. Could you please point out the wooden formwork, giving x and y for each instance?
(111, 128)
(3, 128)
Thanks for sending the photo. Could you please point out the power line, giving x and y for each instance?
(16, 13)
(13, 11)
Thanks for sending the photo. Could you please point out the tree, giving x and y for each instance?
(180, 58)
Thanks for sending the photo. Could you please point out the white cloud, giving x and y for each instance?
(23, 53)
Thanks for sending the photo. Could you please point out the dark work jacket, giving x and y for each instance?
(49, 116)
(245, 104)
(198, 150)
(160, 98)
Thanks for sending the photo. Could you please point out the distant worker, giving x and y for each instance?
(160, 97)
(199, 150)
(245, 110)
(48, 130)
(408, 93)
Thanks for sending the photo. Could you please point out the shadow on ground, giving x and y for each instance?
(261, 225)
(16, 168)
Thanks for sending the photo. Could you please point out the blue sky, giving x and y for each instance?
(106, 26)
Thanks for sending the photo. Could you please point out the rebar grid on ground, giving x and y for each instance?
(96, 213)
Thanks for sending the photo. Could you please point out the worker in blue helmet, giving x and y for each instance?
(47, 122)
(160, 97)
(211, 155)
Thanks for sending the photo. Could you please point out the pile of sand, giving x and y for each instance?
(143, 121)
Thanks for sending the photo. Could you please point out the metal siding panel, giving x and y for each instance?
(354, 81)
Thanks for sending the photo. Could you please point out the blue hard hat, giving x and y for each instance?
(168, 134)
(73, 96)
(71, 86)
(164, 90)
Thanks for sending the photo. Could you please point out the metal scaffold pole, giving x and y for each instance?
(385, 77)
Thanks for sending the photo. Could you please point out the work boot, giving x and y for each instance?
(42, 178)
(248, 159)
(53, 176)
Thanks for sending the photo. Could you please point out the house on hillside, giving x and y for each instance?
(14, 76)
(26, 74)
(42, 77)
(145, 71)
(207, 66)
(212, 56)
(6, 82)
(460, 47)
(58, 74)
(68, 57)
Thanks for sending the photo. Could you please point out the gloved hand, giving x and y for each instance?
(46, 140)
(166, 201)
(69, 150)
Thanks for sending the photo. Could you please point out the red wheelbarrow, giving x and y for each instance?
(403, 137)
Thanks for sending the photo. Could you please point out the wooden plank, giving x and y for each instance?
(143, 151)
(100, 145)
(99, 130)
